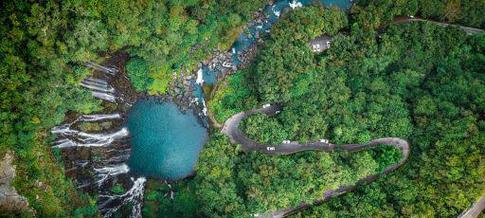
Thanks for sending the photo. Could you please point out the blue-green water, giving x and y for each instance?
(165, 142)
(271, 12)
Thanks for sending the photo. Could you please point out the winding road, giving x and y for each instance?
(236, 136)
(467, 30)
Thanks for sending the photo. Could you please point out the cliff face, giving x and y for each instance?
(10, 201)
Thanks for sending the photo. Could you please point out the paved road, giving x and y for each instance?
(475, 210)
(236, 136)
(468, 30)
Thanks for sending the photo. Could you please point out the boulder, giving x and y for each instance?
(10, 201)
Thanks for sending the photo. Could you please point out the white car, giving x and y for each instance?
(286, 141)
(270, 148)
(266, 105)
(324, 141)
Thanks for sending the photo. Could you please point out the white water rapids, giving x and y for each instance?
(134, 196)
(106, 172)
(97, 117)
(75, 138)
(95, 66)
(112, 164)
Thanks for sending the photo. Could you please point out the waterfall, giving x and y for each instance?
(64, 130)
(64, 143)
(106, 172)
(87, 139)
(204, 109)
(70, 143)
(114, 159)
(104, 96)
(97, 86)
(95, 80)
(97, 117)
(101, 139)
(95, 66)
(103, 136)
(200, 77)
(134, 196)
(295, 4)
(275, 11)
(125, 155)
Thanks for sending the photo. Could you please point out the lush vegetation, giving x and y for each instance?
(37, 89)
(233, 95)
(443, 175)
(44, 45)
(230, 183)
(418, 81)
(169, 36)
(371, 14)
(374, 84)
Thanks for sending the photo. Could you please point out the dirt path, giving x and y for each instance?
(236, 136)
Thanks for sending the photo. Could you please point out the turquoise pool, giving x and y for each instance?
(165, 142)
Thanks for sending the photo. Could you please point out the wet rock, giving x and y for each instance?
(10, 201)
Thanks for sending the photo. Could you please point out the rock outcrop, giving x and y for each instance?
(10, 201)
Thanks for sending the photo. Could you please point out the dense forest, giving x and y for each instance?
(43, 48)
(417, 81)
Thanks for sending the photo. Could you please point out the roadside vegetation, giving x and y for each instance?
(230, 183)
(43, 48)
(417, 81)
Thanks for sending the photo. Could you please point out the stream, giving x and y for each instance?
(159, 140)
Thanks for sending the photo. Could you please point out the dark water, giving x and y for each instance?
(165, 141)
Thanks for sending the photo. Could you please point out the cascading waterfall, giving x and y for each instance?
(200, 79)
(108, 70)
(276, 11)
(114, 164)
(295, 4)
(116, 156)
(96, 80)
(98, 117)
(134, 196)
(100, 88)
(104, 96)
(106, 172)
(97, 87)
(123, 132)
(75, 138)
